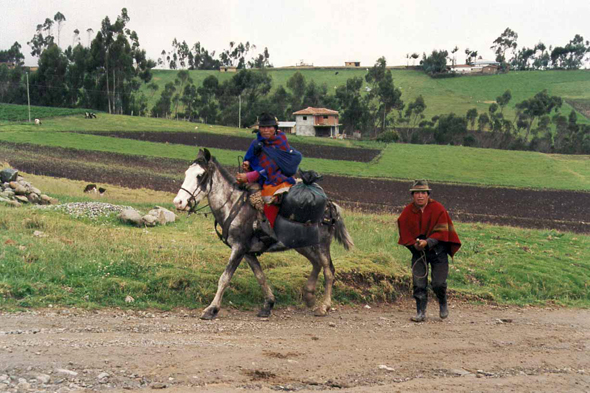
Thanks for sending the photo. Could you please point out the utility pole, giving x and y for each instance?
(240, 111)
(28, 97)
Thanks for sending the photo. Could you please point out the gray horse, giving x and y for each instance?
(239, 221)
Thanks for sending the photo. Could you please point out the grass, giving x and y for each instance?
(85, 263)
(10, 112)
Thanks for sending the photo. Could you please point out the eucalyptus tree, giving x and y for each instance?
(506, 40)
(534, 108)
(383, 96)
(59, 18)
(42, 39)
(118, 60)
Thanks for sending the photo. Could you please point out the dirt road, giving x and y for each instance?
(354, 349)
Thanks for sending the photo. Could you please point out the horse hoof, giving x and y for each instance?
(209, 314)
(263, 313)
(309, 300)
(321, 311)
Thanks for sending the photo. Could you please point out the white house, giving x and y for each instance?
(317, 122)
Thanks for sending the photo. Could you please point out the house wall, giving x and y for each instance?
(305, 127)
(331, 120)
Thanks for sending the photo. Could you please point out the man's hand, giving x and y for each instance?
(246, 165)
(242, 178)
(420, 244)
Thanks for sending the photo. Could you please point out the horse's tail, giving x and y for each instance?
(341, 233)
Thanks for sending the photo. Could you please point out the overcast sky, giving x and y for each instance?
(323, 33)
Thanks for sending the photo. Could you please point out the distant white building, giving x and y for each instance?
(317, 122)
(478, 67)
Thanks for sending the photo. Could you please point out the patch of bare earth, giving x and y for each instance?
(478, 348)
(242, 144)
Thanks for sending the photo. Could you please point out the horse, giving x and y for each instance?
(239, 221)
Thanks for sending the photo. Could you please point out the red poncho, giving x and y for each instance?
(433, 222)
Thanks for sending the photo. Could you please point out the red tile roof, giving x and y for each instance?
(316, 111)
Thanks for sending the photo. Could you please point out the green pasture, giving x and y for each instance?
(454, 164)
(442, 96)
(98, 263)
(20, 113)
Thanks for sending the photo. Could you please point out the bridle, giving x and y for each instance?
(192, 201)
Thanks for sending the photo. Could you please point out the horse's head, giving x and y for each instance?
(196, 183)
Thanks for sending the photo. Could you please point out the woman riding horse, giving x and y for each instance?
(269, 164)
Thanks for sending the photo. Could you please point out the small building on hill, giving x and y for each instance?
(478, 67)
(228, 69)
(352, 63)
(317, 122)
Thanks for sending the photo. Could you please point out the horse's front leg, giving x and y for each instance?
(269, 297)
(234, 261)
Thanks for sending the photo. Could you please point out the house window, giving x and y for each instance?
(326, 117)
(304, 117)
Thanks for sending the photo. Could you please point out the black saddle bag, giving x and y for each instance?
(296, 234)
(306, 201)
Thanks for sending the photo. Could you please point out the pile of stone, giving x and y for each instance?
(16, 191)
(156, 216)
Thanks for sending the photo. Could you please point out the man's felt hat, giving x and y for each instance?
(420, 185)
(267, 120)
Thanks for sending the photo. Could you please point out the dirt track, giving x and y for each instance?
(478, 348)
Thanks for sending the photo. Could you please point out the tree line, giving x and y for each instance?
(570, 56)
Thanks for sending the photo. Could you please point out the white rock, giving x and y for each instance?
(129, 299)
(43, 378)
(149, 221)
(66, 372)
(103, 376)
(130, 216)
(386, 368)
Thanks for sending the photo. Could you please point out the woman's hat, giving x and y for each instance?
(420, 185)
(267, 120)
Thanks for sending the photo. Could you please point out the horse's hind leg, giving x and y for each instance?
(329, 276)
(234, 261)
(269, 297)
(314, 255)
(312, 280)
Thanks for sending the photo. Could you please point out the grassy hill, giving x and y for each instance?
(397, 161)
(441, 95)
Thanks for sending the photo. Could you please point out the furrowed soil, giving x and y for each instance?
(479, 348)
(543, 209)
(242, 144)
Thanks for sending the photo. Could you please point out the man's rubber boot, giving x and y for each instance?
(444, 310)
(420, 310)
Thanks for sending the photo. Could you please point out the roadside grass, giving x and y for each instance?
(85, 263)
(454, 164)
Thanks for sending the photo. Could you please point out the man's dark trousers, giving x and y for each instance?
(438, 260)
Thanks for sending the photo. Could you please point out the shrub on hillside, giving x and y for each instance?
(388, 136)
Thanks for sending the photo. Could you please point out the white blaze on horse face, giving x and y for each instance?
(189, 185)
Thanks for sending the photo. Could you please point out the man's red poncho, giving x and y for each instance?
(433, 222)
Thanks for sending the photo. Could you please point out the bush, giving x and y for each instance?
(388, 136)
(469, 141)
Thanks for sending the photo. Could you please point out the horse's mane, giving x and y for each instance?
(224, 172)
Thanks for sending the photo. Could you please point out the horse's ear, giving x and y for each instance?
(207, 154)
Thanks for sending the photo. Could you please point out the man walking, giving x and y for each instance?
(426, 229)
